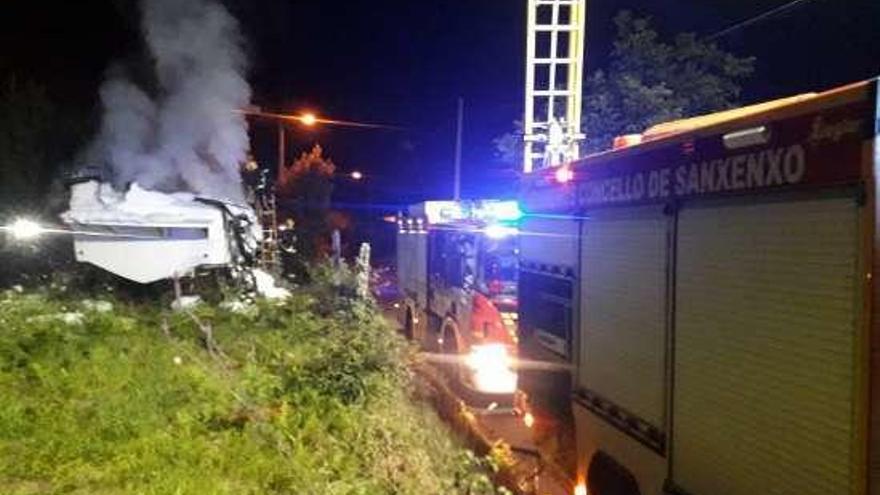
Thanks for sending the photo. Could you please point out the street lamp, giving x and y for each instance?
(357, 175)
(24, 230)
(308, 119)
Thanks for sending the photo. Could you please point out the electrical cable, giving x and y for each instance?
(756, 19)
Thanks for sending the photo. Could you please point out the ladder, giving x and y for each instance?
(267, 213)
(554, 82)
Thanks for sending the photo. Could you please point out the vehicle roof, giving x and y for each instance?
(678, 130)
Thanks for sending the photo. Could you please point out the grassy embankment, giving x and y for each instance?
(308, 397)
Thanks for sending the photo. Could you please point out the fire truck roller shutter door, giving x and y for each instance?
(420, 268)
(767, 317)
(549, 263)
(623, 322)
(549, 240)
(412, 265)
(403, 262)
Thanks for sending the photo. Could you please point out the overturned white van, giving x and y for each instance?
(147, 236)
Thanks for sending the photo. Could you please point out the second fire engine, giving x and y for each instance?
(457, 269)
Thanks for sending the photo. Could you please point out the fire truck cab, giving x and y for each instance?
(457, 271)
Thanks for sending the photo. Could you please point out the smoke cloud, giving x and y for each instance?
(188, 136)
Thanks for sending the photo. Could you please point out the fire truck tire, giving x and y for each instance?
(450, 337)
(608, 477)
(449, 344)
(401, 309)
(409, 325)
(412, 323)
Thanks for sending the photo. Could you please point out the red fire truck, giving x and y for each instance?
(713, 286)
(457, 271)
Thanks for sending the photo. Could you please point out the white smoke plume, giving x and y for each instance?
(189, 136)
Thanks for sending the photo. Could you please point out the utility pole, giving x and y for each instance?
(282, 151)
(458, 144)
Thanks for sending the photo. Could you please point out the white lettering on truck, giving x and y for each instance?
(766, 168)
(775, 167)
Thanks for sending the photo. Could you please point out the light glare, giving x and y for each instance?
(308, 119)
(504, 211)
(564, 175)
(491, 365)
(25, 230)
(500, 231)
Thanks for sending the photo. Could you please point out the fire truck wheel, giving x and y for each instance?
(409, 325)
(450, 337)
(607, 476)
(449, 345)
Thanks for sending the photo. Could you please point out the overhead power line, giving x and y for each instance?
(758, 18)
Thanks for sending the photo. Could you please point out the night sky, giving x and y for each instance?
(405, 63)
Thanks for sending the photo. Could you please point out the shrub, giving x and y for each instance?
(308, 396)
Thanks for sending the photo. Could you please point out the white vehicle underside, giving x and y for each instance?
(147, 236)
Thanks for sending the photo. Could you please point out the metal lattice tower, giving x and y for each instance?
(554, 82)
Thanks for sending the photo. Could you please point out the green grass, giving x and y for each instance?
(308, 397)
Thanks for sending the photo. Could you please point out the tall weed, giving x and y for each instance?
(311, 396)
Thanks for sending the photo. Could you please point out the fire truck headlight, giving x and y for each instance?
(500, 231)
(491, 367)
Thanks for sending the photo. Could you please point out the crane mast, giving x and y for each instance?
(554, 82)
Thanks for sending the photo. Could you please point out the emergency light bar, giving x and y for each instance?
(501, 211)
(489, 211)
(444, 211)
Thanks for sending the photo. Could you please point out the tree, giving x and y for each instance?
(649, 81)
(29, 155)
(305, 190)
(37, 137)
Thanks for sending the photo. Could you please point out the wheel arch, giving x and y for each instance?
(451, 328)
(607, 476)
(410, 312)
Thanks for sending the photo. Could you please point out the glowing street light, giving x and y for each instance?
(308, 119)
(24, 229)
(357, 175)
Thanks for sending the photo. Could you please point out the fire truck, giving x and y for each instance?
(712, 284)
(457, 269)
